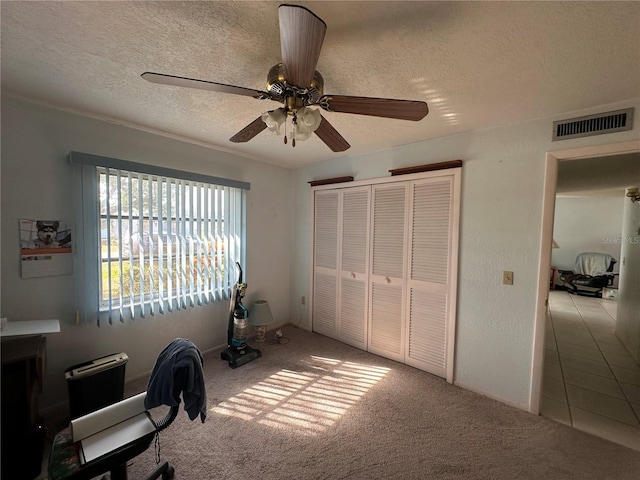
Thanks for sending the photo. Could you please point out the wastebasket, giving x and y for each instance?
(95, 384)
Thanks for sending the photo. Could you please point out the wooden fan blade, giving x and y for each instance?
(377, 107)
(301, 37)
(331, 137)
(202, 85)
(250, 131)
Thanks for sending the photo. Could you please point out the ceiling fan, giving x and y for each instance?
(298, 85)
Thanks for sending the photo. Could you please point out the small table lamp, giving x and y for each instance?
(260, 316)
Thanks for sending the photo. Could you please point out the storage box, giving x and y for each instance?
(95, 384)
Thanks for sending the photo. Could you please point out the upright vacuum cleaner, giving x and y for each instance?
(238, 352)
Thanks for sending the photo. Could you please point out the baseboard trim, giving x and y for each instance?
(520, 406)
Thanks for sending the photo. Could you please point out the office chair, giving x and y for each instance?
(591, 273)
(65, 459)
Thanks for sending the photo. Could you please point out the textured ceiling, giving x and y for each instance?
(477, 64)
(601, 176)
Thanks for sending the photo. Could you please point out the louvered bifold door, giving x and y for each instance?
(386, 305)
(325, 264)
(431, 281)
(354, 266)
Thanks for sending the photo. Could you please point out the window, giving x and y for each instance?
(159, 239)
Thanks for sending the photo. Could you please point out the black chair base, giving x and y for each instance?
(166, 471)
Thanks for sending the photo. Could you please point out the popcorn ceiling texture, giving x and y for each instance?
(477, 64)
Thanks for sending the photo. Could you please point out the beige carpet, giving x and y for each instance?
(314, 408)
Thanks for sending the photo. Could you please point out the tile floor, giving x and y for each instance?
(590, 380)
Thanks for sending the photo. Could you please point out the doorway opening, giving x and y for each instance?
(570, 333)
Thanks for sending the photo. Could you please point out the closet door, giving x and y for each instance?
(386, 292)
(354, 267)
(431, 282)
(385, 268)
(325, 263)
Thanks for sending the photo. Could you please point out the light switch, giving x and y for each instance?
(507, 278)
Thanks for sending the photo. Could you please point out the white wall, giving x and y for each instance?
(628, 313)
(501, 214)
(36, 184)
(586, 224)
(502, 187)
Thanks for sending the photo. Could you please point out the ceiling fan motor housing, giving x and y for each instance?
(278, 87)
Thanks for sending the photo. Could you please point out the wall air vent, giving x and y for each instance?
(609, 122)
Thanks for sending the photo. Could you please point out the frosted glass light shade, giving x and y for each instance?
(274, 120)
(308, 122)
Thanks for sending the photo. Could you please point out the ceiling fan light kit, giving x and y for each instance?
(304, 122)
(297, 84)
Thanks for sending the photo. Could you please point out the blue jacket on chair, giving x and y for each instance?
(179, 354)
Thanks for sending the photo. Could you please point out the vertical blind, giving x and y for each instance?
(167, 240)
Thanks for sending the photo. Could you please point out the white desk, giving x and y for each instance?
(30, 327)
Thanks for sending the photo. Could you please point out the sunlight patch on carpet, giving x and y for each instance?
(306, 402)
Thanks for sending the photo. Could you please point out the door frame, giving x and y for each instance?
(548, 213)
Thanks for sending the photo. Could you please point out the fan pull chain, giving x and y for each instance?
(285, 130)
(294, 123)
(293, 134)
